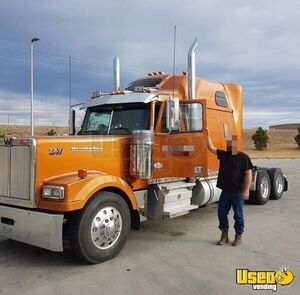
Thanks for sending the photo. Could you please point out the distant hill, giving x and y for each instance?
(293, 126)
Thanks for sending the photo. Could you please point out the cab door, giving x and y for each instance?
(181, 152)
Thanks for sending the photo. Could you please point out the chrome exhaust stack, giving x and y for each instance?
(192, 71)
(116, 74)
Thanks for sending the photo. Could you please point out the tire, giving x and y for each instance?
(277, 183)
(100, 230)
(263, 188)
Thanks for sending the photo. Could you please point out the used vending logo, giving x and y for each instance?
(264, 280)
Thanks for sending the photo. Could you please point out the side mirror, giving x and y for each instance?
(172, 114)
(72, 115)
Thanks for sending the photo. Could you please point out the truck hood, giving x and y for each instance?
(61, 155)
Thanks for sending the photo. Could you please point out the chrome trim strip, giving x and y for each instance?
(4, 168)
(130, 97)
(33, 172)
(165, 180)
(110, 120)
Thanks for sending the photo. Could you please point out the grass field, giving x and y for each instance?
(281, 143)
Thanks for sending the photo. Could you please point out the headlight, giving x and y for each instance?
(53, 192)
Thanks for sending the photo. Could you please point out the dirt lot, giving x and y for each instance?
(281, 143)
(21, 130)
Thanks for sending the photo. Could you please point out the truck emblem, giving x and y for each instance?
(94, 149)
(8, 141)
(55, 151)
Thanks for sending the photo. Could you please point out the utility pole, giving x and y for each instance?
(7, 123)
(31, 83)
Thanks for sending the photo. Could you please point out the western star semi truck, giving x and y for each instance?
(141, 150)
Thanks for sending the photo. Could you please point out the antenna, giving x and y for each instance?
(174, 58)
(70, 81)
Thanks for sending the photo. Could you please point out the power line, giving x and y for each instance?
(14, 59)
(13, 41)
(56, 66)
(13, 47)
(42, 52)
(79, 59)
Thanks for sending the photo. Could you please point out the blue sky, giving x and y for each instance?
(254, 43)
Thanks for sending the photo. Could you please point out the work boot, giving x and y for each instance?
(224, 237)
(237, 241)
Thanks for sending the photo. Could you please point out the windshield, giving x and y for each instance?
(116, 119)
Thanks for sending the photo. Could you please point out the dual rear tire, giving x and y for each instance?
(277, 183)
(269, 185)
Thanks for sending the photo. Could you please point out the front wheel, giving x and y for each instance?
(263, 187)
(100, 230)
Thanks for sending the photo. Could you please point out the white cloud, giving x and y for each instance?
(47, 110)
(255, 44)
(254, 117)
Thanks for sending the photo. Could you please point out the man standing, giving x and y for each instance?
(234, 179)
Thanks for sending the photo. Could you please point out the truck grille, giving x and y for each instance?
(17, 160)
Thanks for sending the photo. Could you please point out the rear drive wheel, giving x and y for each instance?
(100, 230)
(277, 183)
(263, 188)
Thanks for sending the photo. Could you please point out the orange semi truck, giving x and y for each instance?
(140, 151)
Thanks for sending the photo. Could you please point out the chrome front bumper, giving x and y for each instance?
(35, 228)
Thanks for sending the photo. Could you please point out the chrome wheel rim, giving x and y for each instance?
(106, 227)
(279, 184)
(264, 187)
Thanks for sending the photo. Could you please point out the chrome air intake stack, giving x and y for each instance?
(196, 125)
(141, 153)
(192, 71)
(116, 74)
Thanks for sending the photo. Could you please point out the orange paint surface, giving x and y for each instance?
(106, 158)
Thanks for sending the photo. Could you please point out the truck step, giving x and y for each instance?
(179, 211)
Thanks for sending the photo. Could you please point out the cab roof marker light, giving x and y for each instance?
(82, 173)
(96, 94)
(156, 73)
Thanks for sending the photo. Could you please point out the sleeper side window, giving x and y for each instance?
(221, 99)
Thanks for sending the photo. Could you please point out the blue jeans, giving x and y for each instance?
(236, 201)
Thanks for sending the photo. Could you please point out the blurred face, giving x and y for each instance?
(232, 145)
